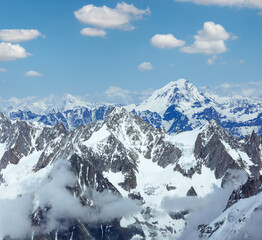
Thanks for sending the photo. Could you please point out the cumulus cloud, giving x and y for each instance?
(32, 73)
(104, 17)
(18, 35)
(210, 40)
(93, 32)
(231, 3)
(3, 70)
(166, 41)
(9, 51)
(211, 60)
(145, 66)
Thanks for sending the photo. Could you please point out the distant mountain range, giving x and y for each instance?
(178, 106)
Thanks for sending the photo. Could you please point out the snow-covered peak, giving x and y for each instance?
(181, 93)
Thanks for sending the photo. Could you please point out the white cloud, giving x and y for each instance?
(105, 17)
(114, 91)
(18, 35)
(211, 60)
(166, 41)
(33, 74)
(3, 70)
(230, 3)
(259, 13)
(145, 66)
(93, 32)
(118, 95)
(9, 51)
(210, 40)
(229, 89)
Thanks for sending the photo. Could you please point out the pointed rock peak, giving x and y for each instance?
(254, 136)
(116, 110)
(3, 118)
(213, 128)
(253, 139)
(116, 114)
(120, 116)
(211, 124)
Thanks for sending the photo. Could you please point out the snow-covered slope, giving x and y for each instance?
(242, 217)
(116, 178)
(181, 106)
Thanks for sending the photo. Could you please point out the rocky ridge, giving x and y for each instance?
(126, 156)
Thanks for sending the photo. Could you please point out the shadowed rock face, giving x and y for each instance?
(89, 177)
(252, 147)
(215, 156)
(250, 188)
(214, 143)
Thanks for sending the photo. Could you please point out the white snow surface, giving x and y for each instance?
(235, 219)
(20, 178)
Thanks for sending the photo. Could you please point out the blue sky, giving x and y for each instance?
(139, 45)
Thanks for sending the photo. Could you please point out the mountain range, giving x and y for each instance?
(180, 165)
(178, 106)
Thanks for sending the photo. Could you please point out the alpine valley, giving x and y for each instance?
(180, 165)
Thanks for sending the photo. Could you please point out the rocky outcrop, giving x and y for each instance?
(191, 192)
(210, 147)
(252, 187)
